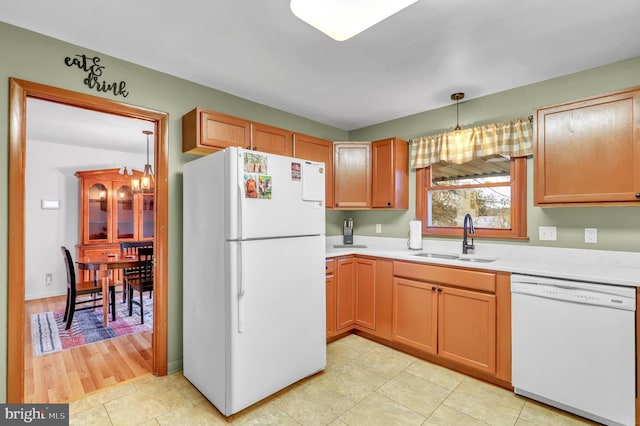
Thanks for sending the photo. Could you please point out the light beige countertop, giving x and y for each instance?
(599, 266)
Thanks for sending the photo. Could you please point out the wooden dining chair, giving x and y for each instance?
(142, 281)
(131, 248)
(76, 290)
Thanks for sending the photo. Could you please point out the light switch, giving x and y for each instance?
(378, 228)
(49, 204)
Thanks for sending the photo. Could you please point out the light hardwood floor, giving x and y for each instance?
(76, 372)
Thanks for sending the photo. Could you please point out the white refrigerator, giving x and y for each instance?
(253, 275)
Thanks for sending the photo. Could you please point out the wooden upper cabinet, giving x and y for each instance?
(271, 139)
(352, 175)
(204, 132)
(316, 149)
(390, 164)
(588, 151)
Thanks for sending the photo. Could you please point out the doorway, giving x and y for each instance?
(20, 90)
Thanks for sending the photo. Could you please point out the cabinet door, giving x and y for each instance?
(345, 293)
(147, 212)
(125, 215)
(221, 131)
(588, 151)
(271, 139)
(415, 314)
(316, 149)
(384, 298)
(331, 306)
(467, 328)
(352, 174)
(365, 293)
(390, 168)
(97, 212)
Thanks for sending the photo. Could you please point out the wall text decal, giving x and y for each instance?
(91, 65)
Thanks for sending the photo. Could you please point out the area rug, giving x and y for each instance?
(48, 332)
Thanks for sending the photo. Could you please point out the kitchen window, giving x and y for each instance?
(491, 188)
(480, 170)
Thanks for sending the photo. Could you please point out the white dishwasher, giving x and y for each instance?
(573, 346)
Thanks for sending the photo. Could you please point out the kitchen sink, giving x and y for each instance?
(456, 257)
(438, 255)
(476, 259)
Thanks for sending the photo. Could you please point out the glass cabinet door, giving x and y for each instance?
(98, 212)
(147, 216)
(125, 214)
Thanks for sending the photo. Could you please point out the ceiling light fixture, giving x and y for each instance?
(456, 97)
(146, 182)
(342, 19)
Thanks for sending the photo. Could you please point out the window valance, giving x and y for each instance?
(513, 138)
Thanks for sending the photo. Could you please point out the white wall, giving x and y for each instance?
(50, 176)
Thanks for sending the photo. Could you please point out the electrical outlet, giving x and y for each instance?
(591, 235)
(378, 228)
(48, 278)
(547, 233)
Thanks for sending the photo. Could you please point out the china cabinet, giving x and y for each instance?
(110, 212)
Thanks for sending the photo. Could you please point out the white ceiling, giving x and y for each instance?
(409, 63)
(62, 124)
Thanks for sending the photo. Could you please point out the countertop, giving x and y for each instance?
(599, 266)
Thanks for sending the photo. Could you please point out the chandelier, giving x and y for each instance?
(145, 183)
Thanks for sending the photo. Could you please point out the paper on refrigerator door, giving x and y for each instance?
(313, 182)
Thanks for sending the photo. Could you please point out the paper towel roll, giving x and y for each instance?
(415, 234)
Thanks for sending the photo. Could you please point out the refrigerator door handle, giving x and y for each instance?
(241, 291)
(241, 196)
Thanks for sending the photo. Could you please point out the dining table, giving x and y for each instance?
(101, 264)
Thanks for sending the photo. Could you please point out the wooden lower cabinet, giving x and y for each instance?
(467, 328)
(355, 293)
(415, 308)
(365, 297)
(383, 289)
(331, 298)
(442, 317)
(345, 293)
(458, 317)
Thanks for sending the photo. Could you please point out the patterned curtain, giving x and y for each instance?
(513, 138)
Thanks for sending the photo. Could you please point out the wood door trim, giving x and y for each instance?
(19, 91)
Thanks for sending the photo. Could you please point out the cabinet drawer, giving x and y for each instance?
(484, 281)
(330, 267)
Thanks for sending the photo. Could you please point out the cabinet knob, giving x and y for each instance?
(389, 204)
(439, 290)
(637, 194)
(255, 148)
(433, 288)
(248, 146)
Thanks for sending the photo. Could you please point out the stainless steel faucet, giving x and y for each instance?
(467, 227)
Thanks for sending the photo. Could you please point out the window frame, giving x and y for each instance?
(518, 184)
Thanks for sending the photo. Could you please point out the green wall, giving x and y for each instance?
(33, 57)
(618, 227)
(30, 56)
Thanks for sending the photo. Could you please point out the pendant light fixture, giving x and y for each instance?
(456, 97)
(146, 182)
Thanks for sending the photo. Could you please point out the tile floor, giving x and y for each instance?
(364, 384)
